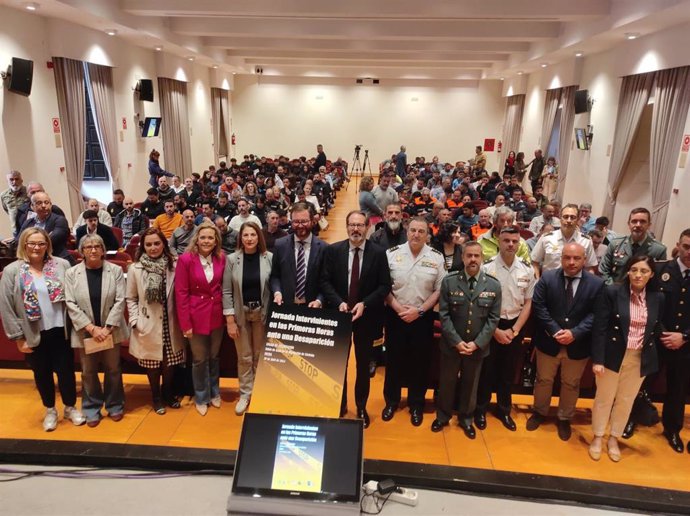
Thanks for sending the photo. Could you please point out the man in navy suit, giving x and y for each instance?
(355, 278)
(297, 262)
(55, 225)
(563, 307)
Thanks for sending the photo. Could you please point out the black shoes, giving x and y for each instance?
(416, 416)
(438, 425)
(388, 412)
(468, 429)
(480, 420)
(629, 430)
(675, 442)
(364, 416)
(507, 421)
(534, 421)
(564, 430)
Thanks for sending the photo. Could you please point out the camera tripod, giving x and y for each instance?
(358, 166)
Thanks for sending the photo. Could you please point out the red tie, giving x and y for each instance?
(354, 281)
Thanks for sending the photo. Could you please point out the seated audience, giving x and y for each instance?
(94, 227)
(168, 221)
(131, 221)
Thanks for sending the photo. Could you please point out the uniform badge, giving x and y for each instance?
(665, 276)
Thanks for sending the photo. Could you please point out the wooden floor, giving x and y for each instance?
(647, 459)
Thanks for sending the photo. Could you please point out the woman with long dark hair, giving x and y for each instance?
(155, 170)
(156, 340)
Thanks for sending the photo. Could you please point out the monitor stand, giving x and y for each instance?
(255, 505)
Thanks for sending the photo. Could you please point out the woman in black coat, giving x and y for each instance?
(624, 350)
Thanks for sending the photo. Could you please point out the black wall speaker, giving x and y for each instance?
(21, 75)
(146, 90)
(581, 101)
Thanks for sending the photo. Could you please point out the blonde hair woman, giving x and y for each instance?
(34, 315)
(198, 295)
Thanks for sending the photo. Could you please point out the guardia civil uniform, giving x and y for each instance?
(621, 249)
(467, 315)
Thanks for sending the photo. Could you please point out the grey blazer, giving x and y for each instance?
(233, 304)
(14, 320)
(112, 302)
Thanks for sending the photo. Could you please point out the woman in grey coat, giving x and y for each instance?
(32, 305)
(95, 297)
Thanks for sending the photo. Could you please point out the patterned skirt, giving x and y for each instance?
(170, 357)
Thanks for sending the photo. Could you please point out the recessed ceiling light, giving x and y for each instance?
(158, 48)
(215, 67)
(632, 35)
(190, 58)
(502, 78)
(111, 32)
(578, 54)
(544, 65)
(31, 6)
(520, 73)
(234, 73)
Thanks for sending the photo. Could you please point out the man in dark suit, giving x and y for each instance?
(94, 226)
(673, 277)
(563, 306)
(359, 289)
(469, 309)
(25, 211)
(55, 225)
(297, 262)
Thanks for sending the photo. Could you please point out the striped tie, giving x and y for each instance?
(301, 282)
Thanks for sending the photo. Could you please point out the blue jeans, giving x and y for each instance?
(112, 395)
(206, 365)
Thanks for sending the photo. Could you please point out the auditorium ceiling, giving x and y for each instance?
(421, 40)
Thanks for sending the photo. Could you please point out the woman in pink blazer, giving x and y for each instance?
(199, 297)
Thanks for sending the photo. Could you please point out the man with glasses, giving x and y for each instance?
(297, 261)
(546, 254)
(356, 279)
(55, 225)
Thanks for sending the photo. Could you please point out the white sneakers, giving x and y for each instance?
(50, 421)
(241, 407)
(201, 409)
(75, 416)
(216, 401)
(72, 413)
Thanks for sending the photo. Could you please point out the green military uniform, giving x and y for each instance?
(11, 201)
(467, 315)
(619, 252)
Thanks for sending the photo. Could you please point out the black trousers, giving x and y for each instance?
(363, 350)
(54, 355)
(408, 355)
(498, 372)
(677, 386)
(468, 368)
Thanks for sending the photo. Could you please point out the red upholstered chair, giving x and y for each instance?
(118, 234)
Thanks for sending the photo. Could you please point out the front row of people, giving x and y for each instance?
(625, 328)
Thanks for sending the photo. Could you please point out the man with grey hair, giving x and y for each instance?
(548, 216)
(25, 211)
(14, 197)
(55, 225)
(503, 217)
(586, 220)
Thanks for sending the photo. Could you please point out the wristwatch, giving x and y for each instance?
(686, 336)
(421, 312)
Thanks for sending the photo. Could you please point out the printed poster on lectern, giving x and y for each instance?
(302, 367)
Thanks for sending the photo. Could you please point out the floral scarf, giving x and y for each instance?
(56, 290)
(155, 286)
